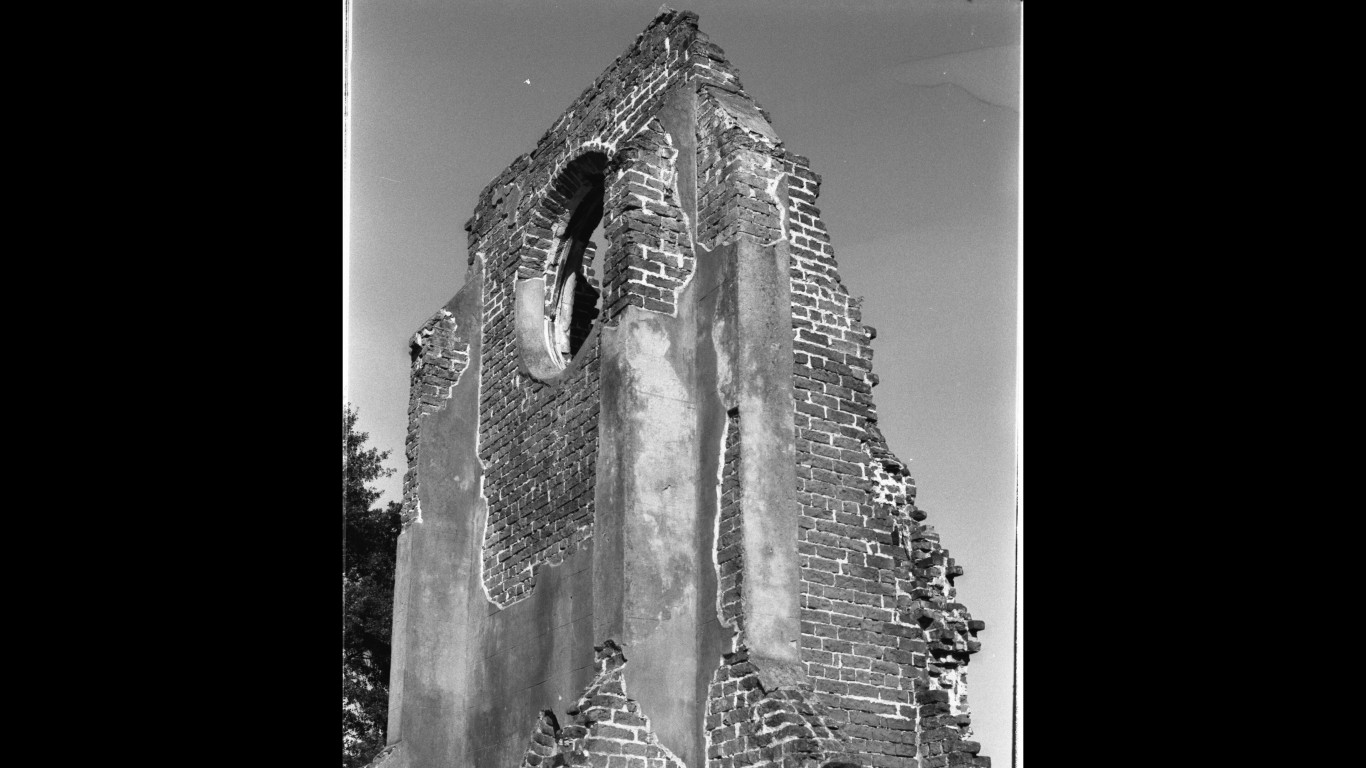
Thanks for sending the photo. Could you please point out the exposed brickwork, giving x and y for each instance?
(867, 630)
(866, 649)
(883, 641)
(951, 633)
(729, 553)
(538, 444)
(746, 724)
(750, 726)
(539, 256)
(611, 110)
(544, 747)
(651, 257)
(710, 65)
(737, 176)
(608, 730)
(538, 440)
(439, 356)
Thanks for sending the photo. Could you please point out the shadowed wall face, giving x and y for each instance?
(667, 533)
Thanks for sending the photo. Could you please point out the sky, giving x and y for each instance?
(911, 113)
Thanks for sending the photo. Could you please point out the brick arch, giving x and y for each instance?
(539, 454)
(556, 295)
(553, 208)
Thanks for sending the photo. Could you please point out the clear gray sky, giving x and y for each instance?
(910, 111)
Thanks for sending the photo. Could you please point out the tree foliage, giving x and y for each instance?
(369, 541)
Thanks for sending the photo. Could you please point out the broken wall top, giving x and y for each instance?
(670, 53)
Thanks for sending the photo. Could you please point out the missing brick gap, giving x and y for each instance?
(716, 524)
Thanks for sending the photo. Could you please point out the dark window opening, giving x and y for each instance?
(577, 299)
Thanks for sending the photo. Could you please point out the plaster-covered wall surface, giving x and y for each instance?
(649, 519)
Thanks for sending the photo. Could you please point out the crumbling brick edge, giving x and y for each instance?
(439, 357)
(607, 723)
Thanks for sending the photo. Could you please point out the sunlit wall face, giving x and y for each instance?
(910, 111)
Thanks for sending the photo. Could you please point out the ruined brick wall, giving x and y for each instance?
(883, 642)
(608, 728)
(883, 648)
(651, 255)
(728, 553)
(439, 355)
(538, 439)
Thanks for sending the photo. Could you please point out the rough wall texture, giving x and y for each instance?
(608, 727)
(538, 438)
(729, 554)
(673, 456)
(878, 635)
(439, 356)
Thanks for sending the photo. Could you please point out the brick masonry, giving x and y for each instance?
(538, 440)
(883, 641)
(439, 356)
(608, 728)
(729, 555)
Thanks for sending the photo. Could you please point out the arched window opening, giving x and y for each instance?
(559, 304)
(575, 301)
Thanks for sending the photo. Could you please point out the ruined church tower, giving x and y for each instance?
(649, 519)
